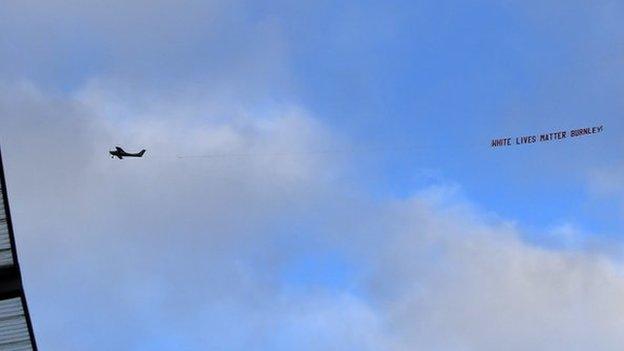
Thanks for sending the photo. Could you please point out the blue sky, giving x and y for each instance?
(355, 203)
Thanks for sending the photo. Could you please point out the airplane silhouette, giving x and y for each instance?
(120, 153)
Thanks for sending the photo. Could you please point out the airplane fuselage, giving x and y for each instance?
(120, 153)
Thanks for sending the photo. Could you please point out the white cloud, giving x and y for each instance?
(449, 281)
(159, 45)
(164, 238)
(607, 181)
(186, 253)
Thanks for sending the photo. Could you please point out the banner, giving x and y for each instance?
(546, 137)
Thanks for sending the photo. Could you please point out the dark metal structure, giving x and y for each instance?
(16, 331)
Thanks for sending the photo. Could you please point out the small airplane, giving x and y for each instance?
(120, 153)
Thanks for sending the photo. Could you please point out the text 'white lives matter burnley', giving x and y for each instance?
(546, 137)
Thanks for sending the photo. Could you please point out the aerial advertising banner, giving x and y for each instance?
(545, 137)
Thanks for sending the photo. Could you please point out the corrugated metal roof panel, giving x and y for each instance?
(15, 327)
(6, 257)
(22, 346)
(14, 334)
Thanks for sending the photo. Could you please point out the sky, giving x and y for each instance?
(318, 174)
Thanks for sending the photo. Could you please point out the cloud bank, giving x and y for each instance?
(189, 254)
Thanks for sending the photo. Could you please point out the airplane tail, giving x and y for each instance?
(141, 153)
